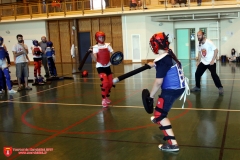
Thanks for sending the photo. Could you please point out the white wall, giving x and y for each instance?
(133, 24)
(152, 28)
(29, 30)
(230, 36)
(142, 25)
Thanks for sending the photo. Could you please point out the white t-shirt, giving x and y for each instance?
(207, 52)
(95, 51)
(18, 48)
(35, 56)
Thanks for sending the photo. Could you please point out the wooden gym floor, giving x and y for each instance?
(66, 117)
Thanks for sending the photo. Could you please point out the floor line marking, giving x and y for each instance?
(43, 91)
(60, 132)
(226, 124)
(209, 79)
(112, 140)
(119, 106)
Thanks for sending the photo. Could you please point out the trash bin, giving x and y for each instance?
(223, 58)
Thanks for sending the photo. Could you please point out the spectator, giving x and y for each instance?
(43, 45)
(199, 2)
(20, 51)
(133, 4)
(233, 57)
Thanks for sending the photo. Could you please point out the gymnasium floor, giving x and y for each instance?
(66, 117)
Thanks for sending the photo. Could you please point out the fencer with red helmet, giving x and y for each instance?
(37, 58)
(101, 54)
(100, 37)
(159, 41)
(170, 79)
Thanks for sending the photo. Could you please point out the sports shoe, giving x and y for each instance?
(28, 88)
(220, 91)
(35, 80)
(195, 89)
(12, 91)
(104, 103)
(108, 100)
(168, 147)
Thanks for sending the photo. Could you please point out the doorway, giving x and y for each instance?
(84, 43)
(183, 43)
(186, 43)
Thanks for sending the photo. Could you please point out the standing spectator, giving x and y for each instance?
(20, 51)
(199, 2)
(43, 45)
(56, 4)
(133, 4)
(206, 60)
(44, 6)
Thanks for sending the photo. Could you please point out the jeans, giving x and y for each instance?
(45, 64)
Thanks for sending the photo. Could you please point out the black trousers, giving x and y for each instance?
(201, 69)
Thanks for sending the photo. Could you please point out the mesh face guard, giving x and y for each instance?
(159, 41)
(99, 34)
(35, 42)
(49, 44)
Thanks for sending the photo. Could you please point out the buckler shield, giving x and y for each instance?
(7, 151)
(103, 56)
(116, 58)
(148, 105)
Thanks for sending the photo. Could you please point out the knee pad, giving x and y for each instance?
(110, 81)
(104, 80)
(39, 63)
(104, 85)
(35, 64)
(110, 84)
(159, 113)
